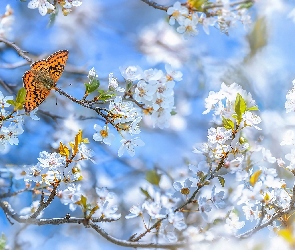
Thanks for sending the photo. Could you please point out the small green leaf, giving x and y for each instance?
(92, 211)
(83, 201)
(146, 193)
(11, 102)
(197, 4)
(19, 100)
(129, 84)
(240, 107)
(105, 95)
(258, 37)
(173, 112)
(221, 180)
(228, 123)
(92, 85)
(246, 5)
(153, 177)
(21, 95)
(3, 242)
(253, 108)
(242, 140)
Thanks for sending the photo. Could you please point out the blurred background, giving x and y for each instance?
(109, 34)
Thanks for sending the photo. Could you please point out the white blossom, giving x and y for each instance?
(103, 134)
(42, 5)
(129, 146)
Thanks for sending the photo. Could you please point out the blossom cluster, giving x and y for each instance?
(224, 149)
(188, 19)
(47, 7)
(160, 208)
(102, 207)
(154, 90)
(148, 93)
(10, 125)
(260, 193)
(234, 108)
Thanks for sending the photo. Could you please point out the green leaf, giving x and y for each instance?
(19, 100)
(246, 5)
(240, 107)
(11, 102)
(92, 211)
(83, 201)
(3, 242)
(197, 4)
(253, 108)
(129, 84)
(146, 193)
(173, 112)
(221, 180)
(92, 85)
(258, 37)
(228, 123)
(105, 95)
(21, 96)
(153, 177)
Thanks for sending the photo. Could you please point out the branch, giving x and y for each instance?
(6, 195)
(45, 204)
(126, 243)
(13, 65)
(21, 52)
(155, 5)
(68, 220)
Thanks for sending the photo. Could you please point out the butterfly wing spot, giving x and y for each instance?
(42, 77)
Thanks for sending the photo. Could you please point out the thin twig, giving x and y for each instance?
(155, 5)
(125, 243)
(21, 52)
(13, 65)
(4, 85)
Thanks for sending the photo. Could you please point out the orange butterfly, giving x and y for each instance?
(42, 77)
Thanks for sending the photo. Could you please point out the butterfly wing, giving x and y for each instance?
(56, 64)
(43, 75)
(35, 93)
(39, 65)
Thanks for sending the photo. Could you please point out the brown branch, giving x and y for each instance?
(155, 5)
(43, 204)
(21, 52)
(6, 195)
(126, 243)
(68, 220)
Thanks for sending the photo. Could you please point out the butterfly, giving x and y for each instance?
(42, 77)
